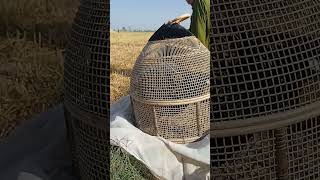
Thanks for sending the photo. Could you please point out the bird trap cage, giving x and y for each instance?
(265, 89)
(170, 86)
(86, 77)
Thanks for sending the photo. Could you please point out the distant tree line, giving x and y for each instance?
(124, 29)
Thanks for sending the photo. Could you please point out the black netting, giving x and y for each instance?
(170, 31)
(86, 78)
(86, 62)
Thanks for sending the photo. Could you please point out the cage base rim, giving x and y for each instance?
(185, 140)
(272, 121)
(172, 102)
(86, 117)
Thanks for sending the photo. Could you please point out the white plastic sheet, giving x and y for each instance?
(165, 159)
(37, 150)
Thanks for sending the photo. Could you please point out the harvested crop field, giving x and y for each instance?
(30, 18)
(31, 81)
(125, 48)
(31, 67)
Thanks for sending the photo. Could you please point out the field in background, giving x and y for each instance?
(31, 81)
(31, 67)
(25, 13)
(125, 47)
(44, 21)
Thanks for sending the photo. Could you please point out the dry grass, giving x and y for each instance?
(24, 13)
(31, 77)
(29, 18)
(125, 167)
(125, 48)
(31, 81)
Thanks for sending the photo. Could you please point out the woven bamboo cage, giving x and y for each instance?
(265, 89)
(170, 86)
(86, 78)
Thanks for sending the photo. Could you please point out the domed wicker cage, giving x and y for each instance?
(265, 89)
(170, 86)
(87, 90)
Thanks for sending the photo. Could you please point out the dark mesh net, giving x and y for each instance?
(170, 31)
(87, 90)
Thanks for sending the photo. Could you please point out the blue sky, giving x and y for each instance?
(146, 14)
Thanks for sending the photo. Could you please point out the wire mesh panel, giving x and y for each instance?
(170, 86)
(86, 61)
(265, 56)
(178, 123)
(92, 149)
(265, 89)
(287, 147)
(87, 90)
(304, 149)
(247, 156)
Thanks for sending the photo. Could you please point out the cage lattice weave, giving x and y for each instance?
(87, 90)
(170, 87)
(265, 89)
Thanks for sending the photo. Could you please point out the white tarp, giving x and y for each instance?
(166, 160)
(37, 150)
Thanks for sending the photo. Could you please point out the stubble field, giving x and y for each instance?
(124, 50)
(125, 47)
